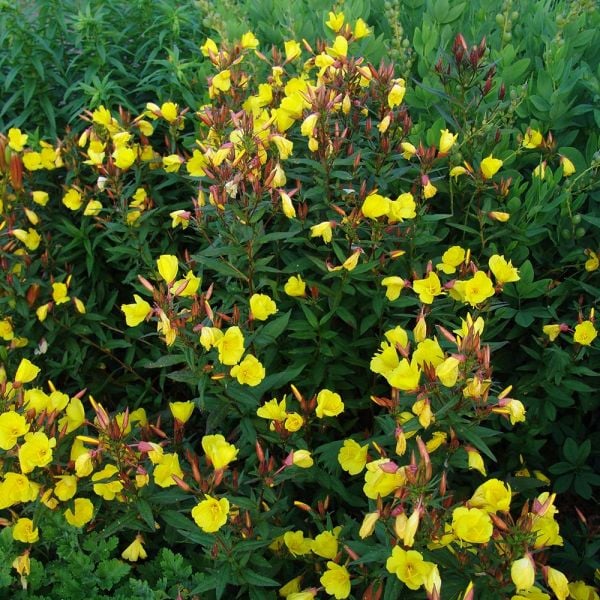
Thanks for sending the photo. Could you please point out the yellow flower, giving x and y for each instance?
(32, 161)
(447, 371)
(287, 206)
(428, 352)
(36, 451)
(375, 206)
(405, 376)
(12, 427)
(339, 48)
(336, 580)
(326, 544)
(490, 166)
(492, 496)
(410, 567)
(92, 208)
(169, 112)
(502, 217)
(585, 333)
(72, 199)
(422, 409)
(394, 285)
(558, 583)
(447, 140)
(302, 459)
(361, 29)
(335, 21)
(82, 513)
(167, 266)
(42, 311)
(522, 573)
(195, 165)
(22, 564)
(293, 422)
(475, 461)
(307, 127)
(467, 325)
(396, 93)
(408, 150)
(329, 404)
(552, 331)
(292, 50)
(456, 172)
(209, 47)
(296, 543)
(249, 40)
(262, 307)
(429, 190)
(437, 439)
(209, 336)
(477, 289)
(291, 587)
(40, 197)
(107, 489)
(452, 258)
(532, 139)
(273, 410)
(137, 312)
(593, 262)
(384, 124)
(368, 525)
(540, 170)
(503, 270)
(124, 157)
(323, 230)
(579, 590)
(295, 287)
(249, 372)
(17, 488)
(231, 346)
(168, 466)
(221, 82)
(66, 487)
(182, 411)
(428, 288)
(191, 287)
(172, 163)
(283, 145)
(135, 550)
(353, 457)
(16, 139)
(83, 462)
(472, 525)
(211, 514)
(59, 293)
(24, 531)
(567, 165)
(397, 336)
(380, 482)
(218, 450)
(31, 238)
(6, 330)
(403, 207)
(180, 217)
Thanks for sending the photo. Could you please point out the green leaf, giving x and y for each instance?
(164, 361)
(258, 580)
(145, 511)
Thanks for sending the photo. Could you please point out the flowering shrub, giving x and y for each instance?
(264, 336)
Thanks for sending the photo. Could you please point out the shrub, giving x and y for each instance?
(284, 329)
